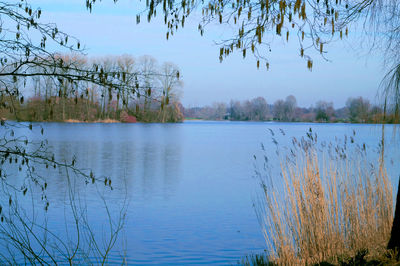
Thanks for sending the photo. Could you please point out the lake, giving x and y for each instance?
(190, 186)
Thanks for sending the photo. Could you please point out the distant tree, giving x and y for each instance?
(236, 110)
(127, 64)
(376, 113)
(279, 110)
(147, 66)
(290, 107)
(249, 110)
(169, 83)
(220, 111)
(304, 114)
(259, 109)
(358, 109)
(285, 110)
(324, 111)
(255, 109)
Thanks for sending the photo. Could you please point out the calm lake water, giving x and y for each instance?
(190, 186)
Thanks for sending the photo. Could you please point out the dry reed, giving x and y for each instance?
(329, 206)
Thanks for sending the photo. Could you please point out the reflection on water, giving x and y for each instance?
(190, 185)
(147, 163)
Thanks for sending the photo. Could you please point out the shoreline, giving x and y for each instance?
(113, 121)
(285, 122)
(104, 121)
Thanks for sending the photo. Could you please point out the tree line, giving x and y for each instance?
(158, 99)
(356, 110)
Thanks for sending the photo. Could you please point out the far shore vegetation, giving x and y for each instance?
(356, 110)
(68, 101)
(95, 105)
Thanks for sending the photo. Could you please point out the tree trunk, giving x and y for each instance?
(394, 242)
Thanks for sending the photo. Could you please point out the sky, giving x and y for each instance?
(111, 30)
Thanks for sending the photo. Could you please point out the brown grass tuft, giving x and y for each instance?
(327, 208)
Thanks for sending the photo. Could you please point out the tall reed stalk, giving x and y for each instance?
(330, 203)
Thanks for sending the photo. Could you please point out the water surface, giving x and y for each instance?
(190, 186)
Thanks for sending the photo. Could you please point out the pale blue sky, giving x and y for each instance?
(111, 29)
